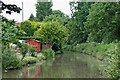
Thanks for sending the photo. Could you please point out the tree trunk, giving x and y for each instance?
(22, 57)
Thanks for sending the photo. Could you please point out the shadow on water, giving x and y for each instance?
(68, 65)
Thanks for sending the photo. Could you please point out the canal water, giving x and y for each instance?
(67, 65)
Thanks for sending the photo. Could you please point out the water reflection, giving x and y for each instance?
(33, 73)
(71, 65)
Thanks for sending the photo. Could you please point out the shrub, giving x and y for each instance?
(10, 60)
(48, 53)
(29, 60)
(40, 57)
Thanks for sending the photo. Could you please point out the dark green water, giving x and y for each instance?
(68, 65)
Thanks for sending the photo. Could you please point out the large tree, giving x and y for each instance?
(43, 9)
(59, 16)
(103, 22)
(27, 27)
(52, 32)
(79, 10)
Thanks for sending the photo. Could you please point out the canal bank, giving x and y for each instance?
(67, 65)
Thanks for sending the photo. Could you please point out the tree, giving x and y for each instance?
(43, 9)
(27, 27)
(79, 10)
(37, 25)
(9, 33)
(103, 22)
(62, 20)
(58, 13)
(31, 18)
(24, 47)
(9, 30)
(52, 32)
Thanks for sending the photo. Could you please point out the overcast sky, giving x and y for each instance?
(29, 7)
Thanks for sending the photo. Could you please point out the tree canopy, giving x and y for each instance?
(103, 22)
(52, 32)
(77, 30)
(43, 9)
(62, 20)
(58, 13)
(27, 27)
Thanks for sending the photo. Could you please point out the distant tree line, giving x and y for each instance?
(94, 22)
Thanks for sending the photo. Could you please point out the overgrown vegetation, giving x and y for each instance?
(10, 60)
(29, 60)
(48, 53)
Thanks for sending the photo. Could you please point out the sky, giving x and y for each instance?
(29, 7)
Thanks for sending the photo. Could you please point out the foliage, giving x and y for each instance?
(62, 20)
(79, 10)
(108, 53)
(27, 38)
(37, 25)
(103, 22)
(10, 8)
(58, 16)
(24, 47)
(29, 60)
(9, 32)
(52, 32)
(40, 57)
(48, 53)
(57, 47)
(32, 52)
(30, 27)
(43, 9)
(58, 13)
(31, 18)
(27, 27)
(10, 60)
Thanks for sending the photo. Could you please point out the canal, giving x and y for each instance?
(67, 65)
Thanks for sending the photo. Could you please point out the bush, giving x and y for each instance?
(29, 60)
(48, 53)
(40, 57)
(10, 60)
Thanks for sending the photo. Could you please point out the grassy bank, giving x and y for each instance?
(108, 53)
